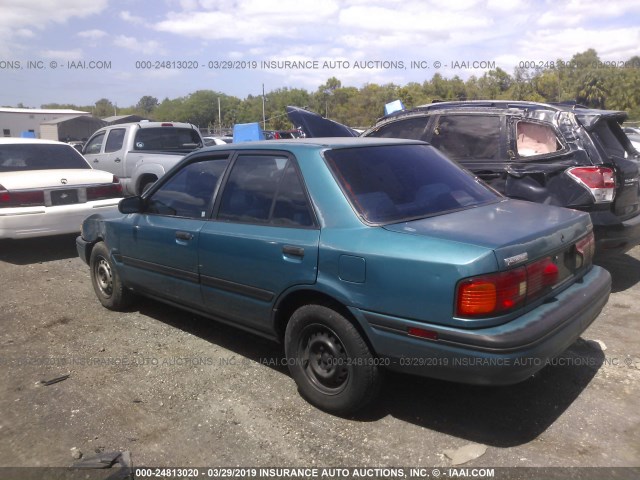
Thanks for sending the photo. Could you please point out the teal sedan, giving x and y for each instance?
(359, 256)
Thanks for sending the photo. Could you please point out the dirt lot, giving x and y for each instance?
(178, 390)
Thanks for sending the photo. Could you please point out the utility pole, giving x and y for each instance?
(219, 117)
(264, 118)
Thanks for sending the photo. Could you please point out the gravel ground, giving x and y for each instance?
(175, 389)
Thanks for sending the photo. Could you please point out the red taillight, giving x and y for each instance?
(101, 192)
(492, 294)
(600, 181)
(21, 198)
(541, 276)
(499, 293)
(166, 124)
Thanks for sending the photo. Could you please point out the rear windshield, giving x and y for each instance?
(39, 156)
(167, 138)
(390, 184)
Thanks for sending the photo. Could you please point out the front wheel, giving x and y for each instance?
(106, 281)
(330, 361)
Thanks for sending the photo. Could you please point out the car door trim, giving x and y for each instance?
(239, 288)
(161, 269)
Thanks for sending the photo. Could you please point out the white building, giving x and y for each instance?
(16, 122)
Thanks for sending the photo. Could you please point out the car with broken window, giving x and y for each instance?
(48, 188)
(556, 154)
(359, 256)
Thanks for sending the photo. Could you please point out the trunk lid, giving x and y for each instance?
(519, 231)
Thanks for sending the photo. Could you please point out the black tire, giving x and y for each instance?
(145, 184)
(106, 281)
(330, 361)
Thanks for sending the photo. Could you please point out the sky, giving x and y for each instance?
(79, 51)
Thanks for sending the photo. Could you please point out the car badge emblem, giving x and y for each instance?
(523, 257)
(63, 181)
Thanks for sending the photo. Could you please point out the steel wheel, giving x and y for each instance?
(324, 359)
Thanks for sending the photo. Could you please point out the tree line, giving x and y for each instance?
(585, 79)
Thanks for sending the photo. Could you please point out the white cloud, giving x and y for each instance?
(19, 17)
(148, 47)
(127, 17)
(75, 54)
(92, 34)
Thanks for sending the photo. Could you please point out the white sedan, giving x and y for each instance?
(48, 188)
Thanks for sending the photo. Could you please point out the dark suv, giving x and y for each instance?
(556, 154)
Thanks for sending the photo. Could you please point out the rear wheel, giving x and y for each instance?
(106, 281)
(330, 361)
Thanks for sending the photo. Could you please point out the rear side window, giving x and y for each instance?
(390, 184)
(535, 139)
(189, 192)
(23, 156)
(166, 138)
(265, 189)
(468, 137)
(412, 128)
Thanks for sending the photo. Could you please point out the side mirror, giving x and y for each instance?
(131, 205)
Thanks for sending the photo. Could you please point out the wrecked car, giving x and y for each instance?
(556, 154)
(359, 255)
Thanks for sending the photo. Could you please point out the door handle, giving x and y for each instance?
(96, 161)
(184, 235)
(293, 251)
(117, 160)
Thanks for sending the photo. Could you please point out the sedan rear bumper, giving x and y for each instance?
(499, 355)
(25, 222)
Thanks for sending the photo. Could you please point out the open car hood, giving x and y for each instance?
(314, 125)
(589, 118)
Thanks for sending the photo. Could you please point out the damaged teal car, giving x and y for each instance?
(359, 256)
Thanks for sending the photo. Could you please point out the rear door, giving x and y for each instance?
(263, 240)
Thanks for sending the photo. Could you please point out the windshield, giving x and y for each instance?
(390, 184)
(39, 156)
(167, 138)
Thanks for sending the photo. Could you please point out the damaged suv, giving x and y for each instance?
(565, 155)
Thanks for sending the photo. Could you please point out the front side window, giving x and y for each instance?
(265, 189)
(535, 139)
(468, 137)
(390, 184)
(189, 192)
(95, 144)
(115, 140)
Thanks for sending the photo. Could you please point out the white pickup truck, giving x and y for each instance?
(142, 152)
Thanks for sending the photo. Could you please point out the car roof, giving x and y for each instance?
(328, 142)
(35, 141)
(503, 105)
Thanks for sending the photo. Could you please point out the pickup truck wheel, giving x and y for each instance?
(146, 184)
(106, 281)
(330, 361)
